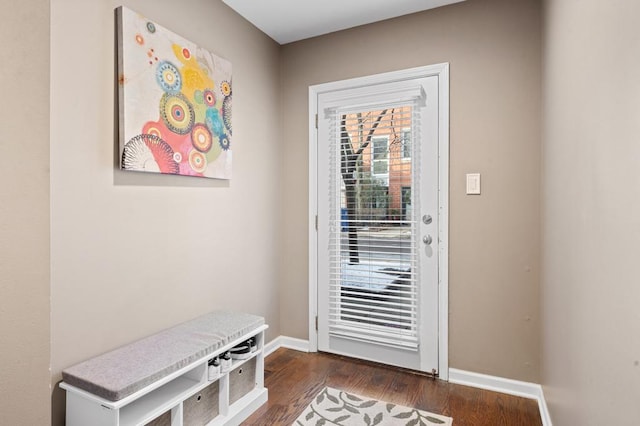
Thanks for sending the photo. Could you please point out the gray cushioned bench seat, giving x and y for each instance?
(126, 370)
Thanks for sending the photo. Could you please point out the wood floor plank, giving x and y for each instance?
(295, 378)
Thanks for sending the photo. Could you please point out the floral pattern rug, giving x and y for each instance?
(336, 407)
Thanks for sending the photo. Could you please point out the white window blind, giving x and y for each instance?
(373, 259)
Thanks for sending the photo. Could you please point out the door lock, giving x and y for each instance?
(427, 219)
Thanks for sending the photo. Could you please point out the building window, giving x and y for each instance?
(406, 143)
(380, 156)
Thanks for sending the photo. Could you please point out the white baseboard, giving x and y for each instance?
(500, 384)
(286, 342)
(544, 410)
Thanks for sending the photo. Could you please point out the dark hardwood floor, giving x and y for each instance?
(294, 378)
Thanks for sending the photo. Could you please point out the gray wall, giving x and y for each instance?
(131, 253)
(113, 275)
(493, 47)
(591, 212)
(24, 214)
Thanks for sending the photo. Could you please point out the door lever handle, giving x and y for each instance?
(427, 240)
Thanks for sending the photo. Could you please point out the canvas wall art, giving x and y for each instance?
(174, 102)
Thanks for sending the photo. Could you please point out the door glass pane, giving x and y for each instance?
(374, 268)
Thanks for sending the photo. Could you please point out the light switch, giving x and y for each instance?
(473, 183)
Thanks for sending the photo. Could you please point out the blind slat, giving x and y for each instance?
(373, 289)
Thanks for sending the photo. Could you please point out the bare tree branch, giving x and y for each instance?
(345, 140)
(371, 131)
(392, 124)
(348, 165)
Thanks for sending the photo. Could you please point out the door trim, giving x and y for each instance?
(442, 72)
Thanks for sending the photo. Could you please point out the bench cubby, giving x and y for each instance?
(171, 387)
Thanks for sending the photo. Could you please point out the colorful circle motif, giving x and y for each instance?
(139, 39)
(225, 142)
(151, 28)
(186, 53)
(209, 97)
(149, 153)
(169, 77)
(226, 113)
(197, 161)
(225, 87)
(177, 113)
(154, 131)
(201, 138)
(177, 157)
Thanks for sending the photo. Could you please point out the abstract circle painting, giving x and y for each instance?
(174, 100)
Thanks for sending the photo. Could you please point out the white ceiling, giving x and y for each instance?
(286, 21)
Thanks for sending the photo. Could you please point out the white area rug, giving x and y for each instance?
(336, 407)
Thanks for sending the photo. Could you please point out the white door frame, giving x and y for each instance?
(442, 72)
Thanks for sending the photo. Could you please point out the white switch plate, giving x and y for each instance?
(473, 183)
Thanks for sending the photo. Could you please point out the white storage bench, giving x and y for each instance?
(162, 380)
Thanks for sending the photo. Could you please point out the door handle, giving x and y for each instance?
(427, 240)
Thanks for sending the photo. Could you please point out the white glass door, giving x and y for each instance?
(377, 168)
